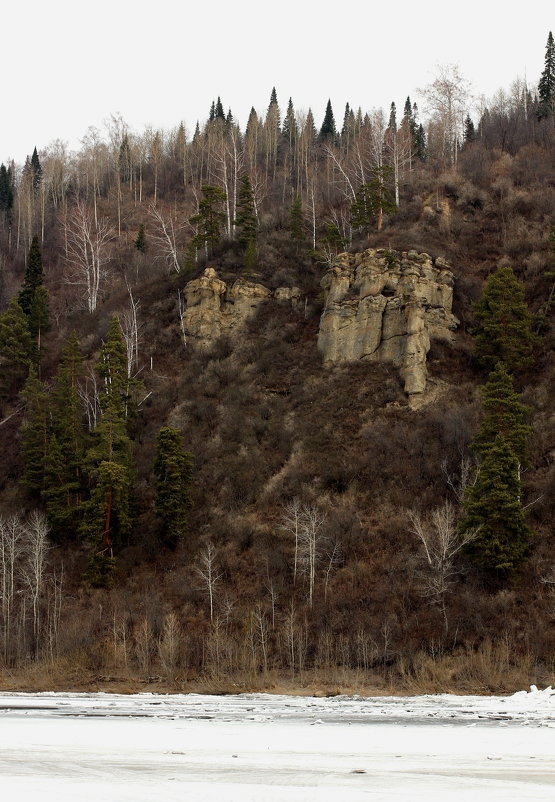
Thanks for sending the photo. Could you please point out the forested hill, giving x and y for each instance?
(198, 484)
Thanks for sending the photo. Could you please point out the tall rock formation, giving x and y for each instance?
(212, 308)
(387, 306)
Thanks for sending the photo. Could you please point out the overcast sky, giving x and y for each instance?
(68, 65)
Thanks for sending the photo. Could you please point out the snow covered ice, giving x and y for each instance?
(160, 748)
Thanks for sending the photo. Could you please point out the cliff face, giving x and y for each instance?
(387, 306)
(213, 308)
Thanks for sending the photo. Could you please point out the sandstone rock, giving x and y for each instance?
(212, 308)
(386, 306)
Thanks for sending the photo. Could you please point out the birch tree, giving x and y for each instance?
(88, 253)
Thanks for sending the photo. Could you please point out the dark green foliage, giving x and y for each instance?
(35, 433)
(392, 124)
(16, 349)
(469, 131)
(297, 231)
(174, 475)
(219, 113)
(210, 218)
(493, 507)
(140, 240)
(420, 143)
(328, 130)
(504, 414)
(289, 129)
(504, 332)
(36, 169)
(373, 200)
(124, 159)
(246, 221)
(6, 191)
(65, 480)
(113, 369)
(546, 86)
(33, 297)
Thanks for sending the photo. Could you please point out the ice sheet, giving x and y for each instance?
(150, 748)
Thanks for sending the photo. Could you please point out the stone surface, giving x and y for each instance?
(386, 306)
(213, 308)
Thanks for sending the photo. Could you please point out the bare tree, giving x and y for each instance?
(447, 99)
(206, 570)
(441, 541)
(311, 541)
(130, 330)
(169, 642)
(36, 546)
(291, 523)
(165, 234)
(87, 252)
(11, 536)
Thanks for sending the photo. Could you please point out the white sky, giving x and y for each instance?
(67, 65)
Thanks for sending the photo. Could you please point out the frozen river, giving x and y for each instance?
(261, 748)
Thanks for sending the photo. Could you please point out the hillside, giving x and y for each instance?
(230, 267)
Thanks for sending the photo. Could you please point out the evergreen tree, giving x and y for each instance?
(493, 509)
(124, 159)
(546, 86)
(219, 113)
(6, 192)
(210, 218)
(392, 124)
(373, 200)
(140, 240)
(33, 297)
(504, 414)
(246, 221)
(297, 231)
(16, 349)
(290, 129)
(35, 433)
(504, 332)
(36, 169)
(328, 130)
(174, 474)
(469, 130)
(65, 465)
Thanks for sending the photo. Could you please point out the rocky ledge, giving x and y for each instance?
(387, 306)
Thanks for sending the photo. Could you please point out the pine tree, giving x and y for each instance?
(6, 192)
(297, 231)
(35, 433)
(493, 509)
(469, 130)
(16, 349)
(546, 86)
(373, 200)
(65, 465)
(246, 221)
(210, 218)
(328, 130)
(33, 297)
(504, 332)
(140, 240)
(174, 474)
(290, 130)
(504, 414)
(36, 169)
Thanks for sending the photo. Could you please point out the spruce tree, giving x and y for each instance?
(16, 349)
(504, 332)
(469, 130)
(493, 509)
(65, 466)
(6, 192)
(289, 129)
(210, 218)
(246, 221)
(174, 474)
(297, 231)
(328, 130)
(219, 113)
(35, 433)
(140, 240)
(373, 200)
(546, 86)
(36, 169)
(504, 414)
(33, 297)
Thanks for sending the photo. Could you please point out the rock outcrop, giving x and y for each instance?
(213, 308)
(386, 306)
